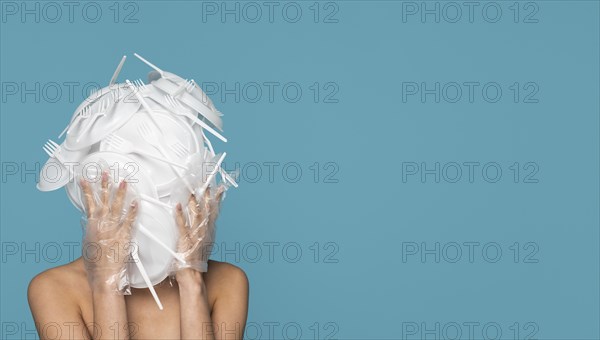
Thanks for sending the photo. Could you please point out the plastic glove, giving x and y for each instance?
(197, 230)
(106, 243)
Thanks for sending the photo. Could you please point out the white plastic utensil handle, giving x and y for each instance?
(140, 267)
(90, 121)
(202, 109)
(64, 131)
(204, 126)
(149, 110)
(229, 179)
(71, 123)
(224, 174)
(62, 162)
(117, 71)
(149, 64)
(148, 233)
(211, 176)
(170, 88)
(179, 90)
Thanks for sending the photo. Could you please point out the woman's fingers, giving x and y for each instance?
(104, 194)
(130, 217)
(205, 206)
(197, 210)
(180, 219)
(193, 205)
(88, 197)
(216, 205)
(218, 197)
(117, 204)
(193, 210)
(207, 194)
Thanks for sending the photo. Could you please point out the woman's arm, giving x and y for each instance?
(195, 322)
(106, 246)
(229, 312)
(230, 309)
(110, 314)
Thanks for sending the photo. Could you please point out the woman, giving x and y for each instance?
(80, 300)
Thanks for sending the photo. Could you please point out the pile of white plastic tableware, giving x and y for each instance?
(153, 135)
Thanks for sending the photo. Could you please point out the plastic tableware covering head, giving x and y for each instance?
(58, 171)
(155, 129)
(100, 117)
(177, 142)
(196, 91)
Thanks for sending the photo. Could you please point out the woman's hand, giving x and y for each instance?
(107, 237)
(196, 237)
(196, 234)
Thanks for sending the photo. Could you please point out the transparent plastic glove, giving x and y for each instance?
(201, 172)
(106, 242)
(197, 230)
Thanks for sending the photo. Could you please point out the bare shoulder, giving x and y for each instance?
(62, 285)
(228, 291)
(226, 276)
(226, 283)
(54, 299)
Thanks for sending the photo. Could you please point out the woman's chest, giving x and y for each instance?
(144, 319)
(147, 321)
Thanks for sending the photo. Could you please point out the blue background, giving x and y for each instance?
(357, 285)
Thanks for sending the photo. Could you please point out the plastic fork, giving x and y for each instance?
(211, 176)
(85, 112)
(175, 103)
(224, 175)
(149, 110)
(53, 150)
(105, 103)
(180, 150)
(188, 86)
(179, 109)
(125, 146)
(140, 84)
(153, 139)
